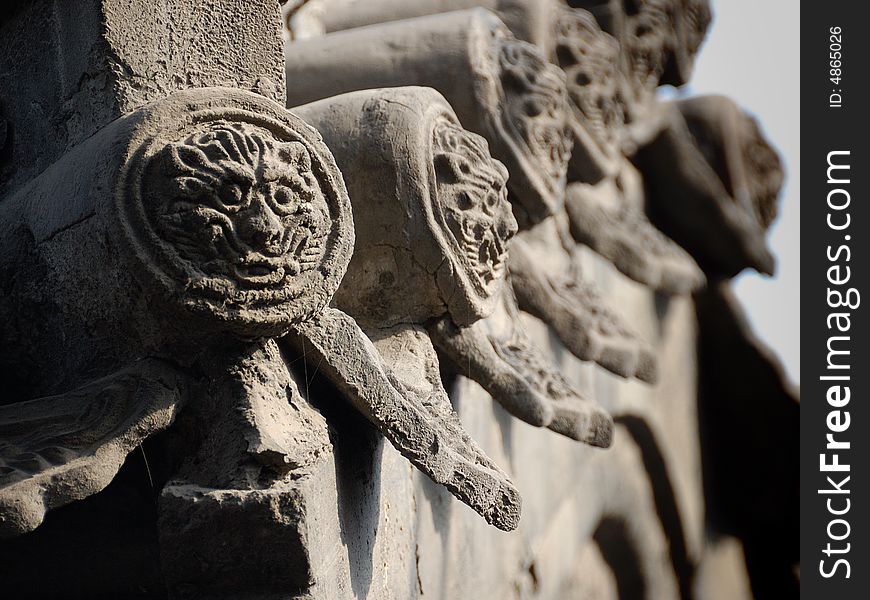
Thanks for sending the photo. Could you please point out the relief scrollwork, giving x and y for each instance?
(501, 88)
(472, 201)
(590, 59)
(535, 113)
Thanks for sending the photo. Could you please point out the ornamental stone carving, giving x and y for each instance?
(230, 219)
(432, 230)
(188, 232)
(714, 157)
(216, 311)
(572, 305)
(471, 200)
(610, 218)
(497, 354)
(500, 88)
(590, 59)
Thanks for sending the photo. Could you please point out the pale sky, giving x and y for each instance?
(752, 54)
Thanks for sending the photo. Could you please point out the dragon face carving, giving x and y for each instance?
(473, 203)
(243, 211)
(764, 172)
(651, 34)
(536, 107)
(238, 217)
(590, 59)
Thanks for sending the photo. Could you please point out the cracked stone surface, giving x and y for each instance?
(257, 352)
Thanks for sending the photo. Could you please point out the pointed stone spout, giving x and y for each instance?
(610, 218)
(500, 88)
(572, 306)
(432, 227)
(497, 354)
(714, 182)
(413, 412)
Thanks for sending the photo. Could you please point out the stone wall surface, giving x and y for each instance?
(391, 299)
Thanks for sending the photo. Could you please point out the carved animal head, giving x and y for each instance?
(764, 172)
(536, 110)
(242, 210)
(650, 36)
(590, 59)
(697, 18)
(473, 202)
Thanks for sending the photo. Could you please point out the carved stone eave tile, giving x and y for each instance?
(529, 20)
(549, 285)
(713, 183)
(498, 354)
(610, 218)
(658, 42)
(179, 239)
(660, 37)
(590, 59)
(501, 88)
(570, 38)
(432, 223)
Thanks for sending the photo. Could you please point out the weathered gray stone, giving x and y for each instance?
(610, 218)
(63, 448)
(714, 183)
(416, 418)
(659, 38)
(572, 306)
(500, 88)
(590, 59)
(498, 354)
(170, 252)
(201, 362)
(429, 205)
(433, 223)
(69, 68)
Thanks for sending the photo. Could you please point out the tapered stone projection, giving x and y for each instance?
(284, 318)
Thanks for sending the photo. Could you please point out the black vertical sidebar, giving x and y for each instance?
(835, 337)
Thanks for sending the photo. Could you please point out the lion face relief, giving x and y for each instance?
(242, 210)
